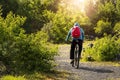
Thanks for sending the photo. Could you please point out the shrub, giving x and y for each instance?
(104, 49)
(24, 52)
(103, 27)
(34, 53)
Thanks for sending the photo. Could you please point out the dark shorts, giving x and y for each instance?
(73, 44)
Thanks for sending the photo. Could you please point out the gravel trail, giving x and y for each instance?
(87, 70)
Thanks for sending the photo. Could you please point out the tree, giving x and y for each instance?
(107, 12)
(117, 29)
(103, 27)
(34, 10)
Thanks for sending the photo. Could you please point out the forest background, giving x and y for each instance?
(30, 30)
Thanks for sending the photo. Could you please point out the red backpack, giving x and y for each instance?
(75, 32)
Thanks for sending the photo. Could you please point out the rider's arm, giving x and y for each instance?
(69, 33)
(82, 31)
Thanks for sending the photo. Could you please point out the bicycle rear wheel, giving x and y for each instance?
(76, 57)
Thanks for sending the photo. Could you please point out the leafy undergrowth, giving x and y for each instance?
(53, 75)
(10, 77)
(103, 49)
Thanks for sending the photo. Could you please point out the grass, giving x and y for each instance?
(53, 75)
(10, 77)
(112, 79)
(107, 63)
(95, 63)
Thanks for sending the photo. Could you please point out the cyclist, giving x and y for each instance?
(73, 44)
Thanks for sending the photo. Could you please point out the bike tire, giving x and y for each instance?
(76, 57)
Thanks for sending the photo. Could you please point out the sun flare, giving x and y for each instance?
(80, 4)
(80, 0)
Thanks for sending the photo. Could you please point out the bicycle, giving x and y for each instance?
(76, 56)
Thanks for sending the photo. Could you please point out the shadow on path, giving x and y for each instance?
(97, 70)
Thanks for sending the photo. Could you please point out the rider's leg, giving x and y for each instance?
(80, 47)
(72, 51)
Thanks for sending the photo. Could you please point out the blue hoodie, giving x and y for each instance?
(81, 30)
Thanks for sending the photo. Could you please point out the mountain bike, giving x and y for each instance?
(76, 56)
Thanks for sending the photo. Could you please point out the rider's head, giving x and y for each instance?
(76, 24)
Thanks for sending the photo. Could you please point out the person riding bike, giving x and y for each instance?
(73, 44)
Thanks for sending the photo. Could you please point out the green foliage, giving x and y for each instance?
(9, 28)
(117, 27)
(37, 76)
(103, 27)
(61, 22)
(24, 52)
(107, 12)
(36, 55)
(61, 15)
(57, 27)
(104, 49)
(32, 9)
(118, 6)
(41, 13)
(8, 77)
(8, 5)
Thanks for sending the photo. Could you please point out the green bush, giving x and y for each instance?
(24, 52)
(104, 49)
(34, 53)
(9, 29)
(103, 27)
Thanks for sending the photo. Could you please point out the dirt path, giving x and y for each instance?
(87, 70)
